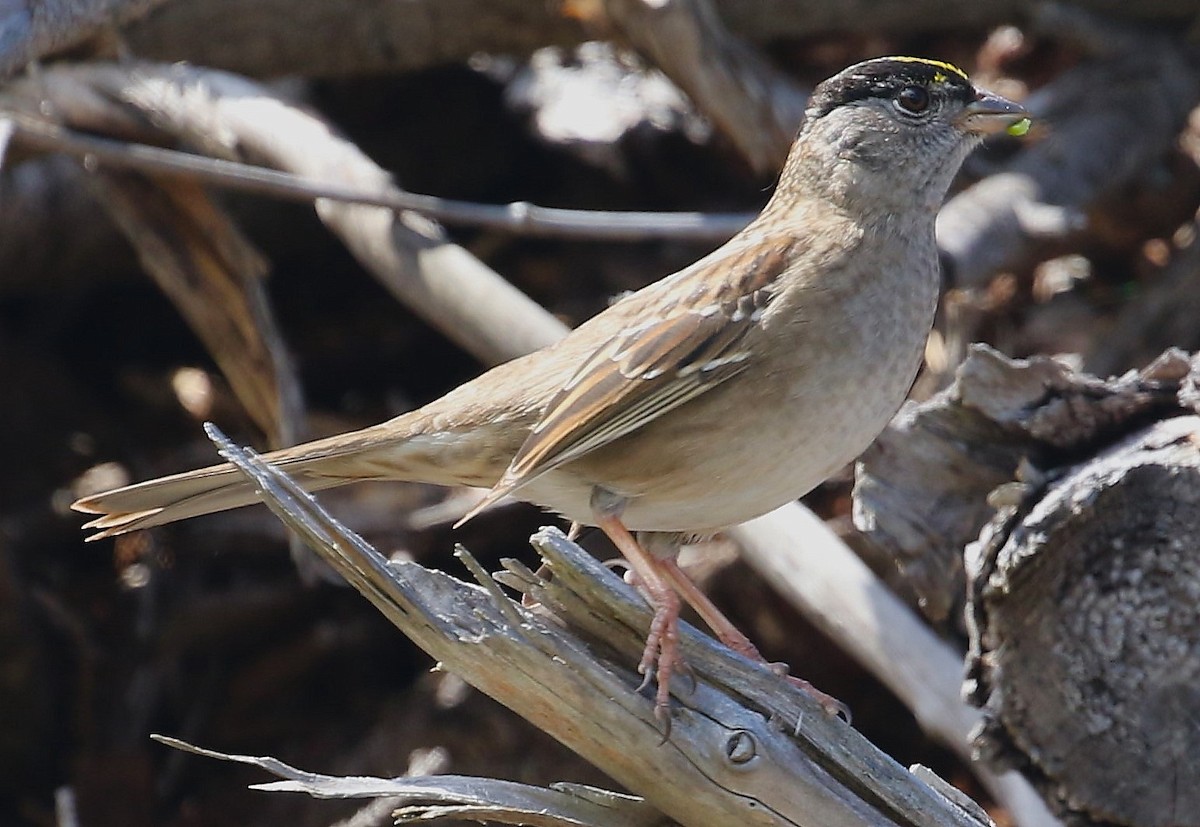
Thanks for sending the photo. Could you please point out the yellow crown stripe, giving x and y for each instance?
(940, 64)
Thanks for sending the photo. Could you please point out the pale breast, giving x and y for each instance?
(840, 366)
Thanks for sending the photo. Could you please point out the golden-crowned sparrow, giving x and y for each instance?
(714, 395)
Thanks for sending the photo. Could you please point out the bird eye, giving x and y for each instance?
(913, 99)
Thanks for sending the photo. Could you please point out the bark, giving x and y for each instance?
(921, 491)
(1086, 634)
(1082, 583)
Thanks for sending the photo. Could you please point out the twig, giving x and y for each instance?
(518, 217)
(236, 118)
(455, 796)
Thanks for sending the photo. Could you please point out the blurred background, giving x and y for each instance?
(1077, 240)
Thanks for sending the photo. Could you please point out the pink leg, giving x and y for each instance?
(662, 642)
(732, 637)
(663, 582)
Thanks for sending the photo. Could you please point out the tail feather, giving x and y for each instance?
(314, 465)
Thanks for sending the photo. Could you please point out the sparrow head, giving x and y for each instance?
(894, 131)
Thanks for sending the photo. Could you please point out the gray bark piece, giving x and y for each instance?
(1083, 586)
(921, 491)
(1086, 634)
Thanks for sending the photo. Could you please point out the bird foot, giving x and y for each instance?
(660, 657)
(830, 704)
(732, 637)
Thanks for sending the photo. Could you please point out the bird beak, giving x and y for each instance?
(989, 113)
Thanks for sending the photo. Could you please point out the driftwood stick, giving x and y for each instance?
(233, 118)
(728, 758)
(428, 799)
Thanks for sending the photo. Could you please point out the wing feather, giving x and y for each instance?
(646, 371)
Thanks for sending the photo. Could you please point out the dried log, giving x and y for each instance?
(1082, 587)
(1085, 602)
(921, 491)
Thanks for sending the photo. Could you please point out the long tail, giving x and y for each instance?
(315, 465)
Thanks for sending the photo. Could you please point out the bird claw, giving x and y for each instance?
(684, 670)
(830, 704)
(660, 660)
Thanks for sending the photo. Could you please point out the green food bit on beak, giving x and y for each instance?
(1019, 128)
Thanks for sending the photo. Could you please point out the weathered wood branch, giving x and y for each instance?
(432, 799)
(745, 747)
